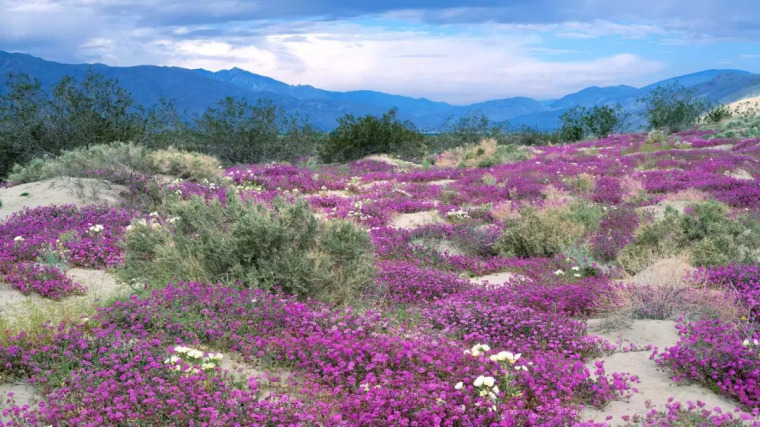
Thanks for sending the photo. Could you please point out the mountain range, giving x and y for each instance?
(196, 90)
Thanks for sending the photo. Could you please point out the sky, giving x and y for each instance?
(453, 51)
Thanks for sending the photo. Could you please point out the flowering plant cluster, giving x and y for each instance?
(80, 237)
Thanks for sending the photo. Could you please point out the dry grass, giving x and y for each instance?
(632, 188)
(688, 195)
(505, 210)
(582, 183)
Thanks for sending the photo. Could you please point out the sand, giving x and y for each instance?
(497, 278)
(417, 219)
(655, 385)
(659, 209)
(58, 191)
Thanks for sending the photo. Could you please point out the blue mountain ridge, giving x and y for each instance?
(195, 90)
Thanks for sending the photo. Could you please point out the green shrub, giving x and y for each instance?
(707, 233)
(355, 138)
(718, 114)
(539, 233)
(580, 122)
(252, 245)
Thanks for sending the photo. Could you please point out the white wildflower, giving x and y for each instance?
(559, 273)
(459, 385)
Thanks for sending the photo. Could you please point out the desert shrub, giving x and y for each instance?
(116, 160)
(485, 154)
(707, 232)
(582, 183)
(539, 233)
(119, 162)
(656, 137)
(718, 114)
(253, 245)
(184, 164)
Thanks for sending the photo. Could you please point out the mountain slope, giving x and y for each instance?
(195, 90)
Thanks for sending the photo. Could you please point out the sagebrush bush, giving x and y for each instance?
(485, 154)
(706, 231)
(184, 164)
(119, 162)
(539, 233)
(252, 245)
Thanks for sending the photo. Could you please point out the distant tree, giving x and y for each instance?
(24, 127)
(673, 107)
(471, 128)
(355, 138)
(95, 110)
(581, 122)
(238, 132)
(573, 124)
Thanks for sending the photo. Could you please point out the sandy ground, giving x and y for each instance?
(417, 219)
(745, 105)
(58, 191)
(441, 182)
(659, 209)
(22, 395)
(267, 381)
(100, 286)
(670, 271)
(741, 174)
(655, 385)
(496, 278)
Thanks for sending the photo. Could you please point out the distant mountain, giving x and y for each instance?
(196, 90)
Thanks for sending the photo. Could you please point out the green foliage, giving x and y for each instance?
(740, 125)
(252, 245)
(118, 162)
(718, 114)
(355, 138)
(673, 108)
(539, 233)
(707, 232)
(580, 122)
(237, 132)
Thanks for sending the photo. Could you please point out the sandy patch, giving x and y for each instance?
(497, 278)
(658, 210)
(669, 271)
(100, 286)
(22, 395)
(58, 191)
(740, 174)
(441, 182)
(745, 105)
(417, 219)
(268, 381)
(390, 160)
(655, 385)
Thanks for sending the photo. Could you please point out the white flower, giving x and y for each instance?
(207, 366)
(215, 356)
(154, 214)
(98, 228)
(182, 349)
(172, 220)
(576, 275)
(576, 268)
(18, 239)
(195, 354)
(559, 273)
(459, 385)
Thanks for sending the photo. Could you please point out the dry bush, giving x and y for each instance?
(688, 195)
(555, 197)
(656, 137)
(185, 164)
(582, 183)
(670, 301)
(632, 188)
(506, 210)
(485, 154)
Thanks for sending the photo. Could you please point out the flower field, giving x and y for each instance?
(476, 312)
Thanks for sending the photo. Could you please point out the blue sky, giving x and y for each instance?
(445, 50)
